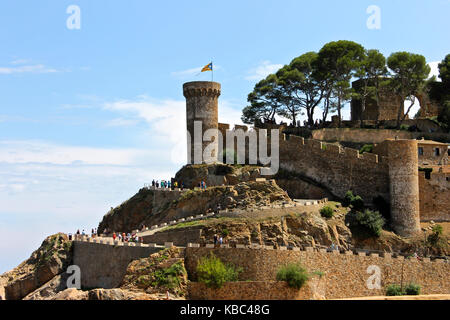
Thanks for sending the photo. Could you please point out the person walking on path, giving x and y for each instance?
(114, 236)
(215, 239)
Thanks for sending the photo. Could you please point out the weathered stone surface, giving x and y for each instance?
(67, 294)
(257, 290)
(153, 274)
(103, 266)
(345, 275)
(50, 289)
(51, 259)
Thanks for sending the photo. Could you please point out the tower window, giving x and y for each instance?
(436, 152)
(420, 151)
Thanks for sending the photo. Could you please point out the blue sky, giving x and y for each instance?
(88, 116)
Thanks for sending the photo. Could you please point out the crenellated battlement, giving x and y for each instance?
(310, 145)
(256, 246)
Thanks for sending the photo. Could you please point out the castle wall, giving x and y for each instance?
(346, 275)
(434, 197)
(256, 290)
(358, 135)
(105, 265)
(339, 169)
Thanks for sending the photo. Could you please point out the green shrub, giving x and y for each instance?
(368, 223)
(366, 148)
(357, 203)
(437, 229)
(294, 274)
(348, 198)
(225, 232)
(326, 212)
(404, 127)
(169, 277)
(436, 237)
(214, 273)
(394, 290)
(412, 289)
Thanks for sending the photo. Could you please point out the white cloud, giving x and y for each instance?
(434, 69)
(28, 151)
(263, 70)
(20, 61)
(121, 122)
(38, 68)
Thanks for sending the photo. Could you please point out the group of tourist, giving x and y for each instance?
(83, 233)
(167, 184)
(202, 185)
(218, 240)
(126, 237)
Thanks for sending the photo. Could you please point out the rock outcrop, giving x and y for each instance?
(160, 273)
(217, 174)
(51, 259)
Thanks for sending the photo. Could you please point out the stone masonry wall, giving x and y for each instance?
(434, 197)
(345, 275)
(338, 169)
(358, 135)
(257, 290)
(104, 265)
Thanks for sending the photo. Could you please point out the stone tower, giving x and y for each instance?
(404, 186)
(201, 107)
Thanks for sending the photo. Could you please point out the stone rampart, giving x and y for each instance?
(345, 274)
(339, 169)
(103, 265)
(257, 290)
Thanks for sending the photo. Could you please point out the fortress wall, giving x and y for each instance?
(338, 169)
(434, 197)
(358, 135)
(257, 290)
(104, 265)
(345, 275)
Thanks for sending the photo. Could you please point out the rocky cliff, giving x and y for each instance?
(51, 259)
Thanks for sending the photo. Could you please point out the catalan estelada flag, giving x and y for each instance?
(208, 67)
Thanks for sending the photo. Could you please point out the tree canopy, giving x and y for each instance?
(322, 80)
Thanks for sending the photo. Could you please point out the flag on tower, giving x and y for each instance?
(208, 67)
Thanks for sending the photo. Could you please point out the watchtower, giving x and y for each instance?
(201, 108)
(404, 186)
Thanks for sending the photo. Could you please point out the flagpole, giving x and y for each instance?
(212, 71)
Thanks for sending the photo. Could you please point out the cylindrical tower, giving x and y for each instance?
(404, 186)
(201, 108)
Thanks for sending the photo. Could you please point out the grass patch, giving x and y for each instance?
(184, 225)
